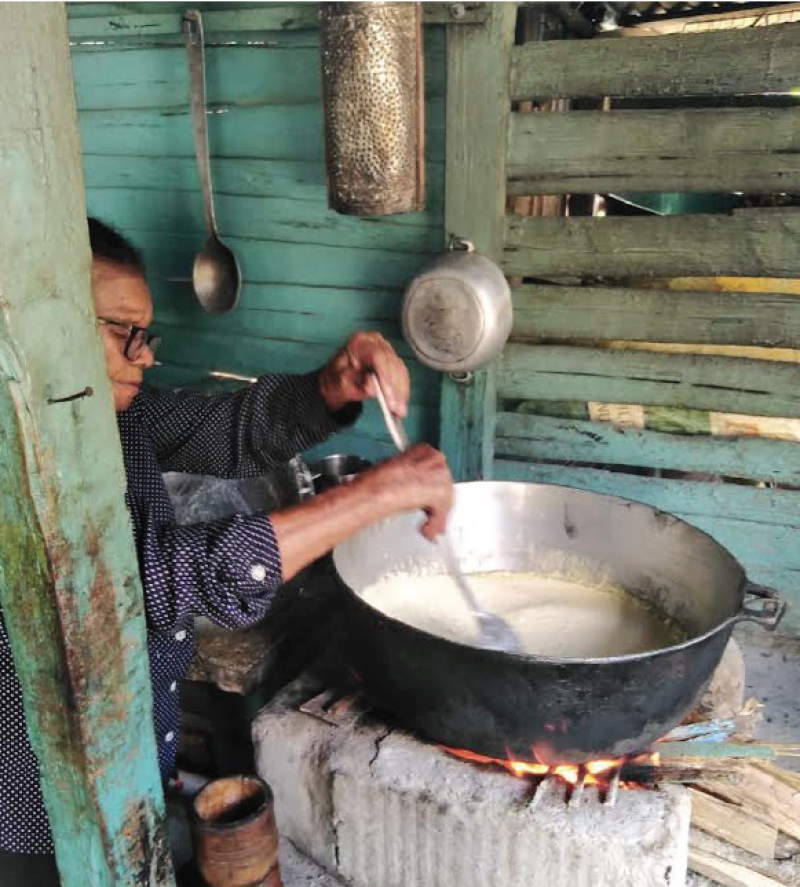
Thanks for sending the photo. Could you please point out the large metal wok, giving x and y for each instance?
(502, 704)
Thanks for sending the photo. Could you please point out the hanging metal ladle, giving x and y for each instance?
(216, 277)
(494, 633)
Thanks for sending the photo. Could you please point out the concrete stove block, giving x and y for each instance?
(379, 808)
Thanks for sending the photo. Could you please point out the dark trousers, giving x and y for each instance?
(28, 870)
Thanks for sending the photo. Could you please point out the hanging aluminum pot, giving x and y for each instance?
(457, 311)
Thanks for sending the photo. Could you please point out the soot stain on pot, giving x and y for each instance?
(570, 528)
(663, 520)
(660, 600)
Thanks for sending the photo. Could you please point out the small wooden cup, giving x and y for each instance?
(236, 841)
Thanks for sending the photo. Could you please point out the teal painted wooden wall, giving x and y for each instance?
(311, 276)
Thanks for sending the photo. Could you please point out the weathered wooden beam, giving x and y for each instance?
(597, 152)
(69, 583)
(749, 243)
(129, 21)
(546, 439)
(543, 311)
(726, 62)
(477, 118)
(703, 382)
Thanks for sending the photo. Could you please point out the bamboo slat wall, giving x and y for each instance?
(585, 290)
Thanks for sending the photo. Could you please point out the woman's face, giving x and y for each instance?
(121, 295)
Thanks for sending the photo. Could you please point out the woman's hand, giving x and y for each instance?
(417, 478)
(347, 377)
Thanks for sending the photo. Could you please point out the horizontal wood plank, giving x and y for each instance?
(170, 257)
(120, 22)
(725, 62)
(752, 243)
(599, 152)
(288, 326)
(261, 301)
(299, 180)
(260, 218)
(279, 132)
(282, 70)
(647, 315)
(703, 382)
(198, 351)
(368, 437)
(546, 439)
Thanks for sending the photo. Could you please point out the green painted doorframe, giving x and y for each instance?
(69, 583)
(478, 105)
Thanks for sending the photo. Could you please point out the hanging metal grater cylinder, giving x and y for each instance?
(372, 84)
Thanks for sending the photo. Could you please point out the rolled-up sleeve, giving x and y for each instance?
(227, 570)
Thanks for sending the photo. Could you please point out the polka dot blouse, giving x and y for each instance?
(227, 570)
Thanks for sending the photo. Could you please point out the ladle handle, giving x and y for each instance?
(195, 51)
(456, 573)
(400, 439)
(393, 424)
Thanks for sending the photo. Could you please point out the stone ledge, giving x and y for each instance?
(378, 807)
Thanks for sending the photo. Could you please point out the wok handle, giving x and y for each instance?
(769, 610)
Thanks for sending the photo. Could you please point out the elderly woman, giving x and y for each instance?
(227, 570)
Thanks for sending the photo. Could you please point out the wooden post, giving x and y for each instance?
(478, 105)
(69, 583)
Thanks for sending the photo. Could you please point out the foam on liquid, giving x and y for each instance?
(552, 617)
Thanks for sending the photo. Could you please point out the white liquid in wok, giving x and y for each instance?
(552, 617)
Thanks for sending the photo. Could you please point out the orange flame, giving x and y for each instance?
(520, 768)
(571, 773)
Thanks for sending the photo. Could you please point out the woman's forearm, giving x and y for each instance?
(311, 529)
(419, 479)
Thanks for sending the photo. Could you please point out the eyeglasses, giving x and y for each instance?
(136, 338)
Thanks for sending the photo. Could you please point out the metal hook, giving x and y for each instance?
(461, 245)
(87, 392)
(192, 26)
(464, 377)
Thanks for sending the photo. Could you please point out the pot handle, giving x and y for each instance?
(769, 610)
